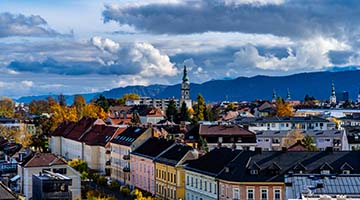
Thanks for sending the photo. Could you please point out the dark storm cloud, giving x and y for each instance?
(300, 18)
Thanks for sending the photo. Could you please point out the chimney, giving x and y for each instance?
(319, 185)
(227, 169)
(258, 150)
(329, 149)
(233, 147)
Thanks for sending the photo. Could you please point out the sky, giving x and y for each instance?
(73, 47)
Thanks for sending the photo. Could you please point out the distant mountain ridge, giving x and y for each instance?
(317, 84)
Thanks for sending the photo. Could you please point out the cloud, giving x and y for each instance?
(308, 55)
(141, 58)
(21, 25)
(100, 56)
(295, 19)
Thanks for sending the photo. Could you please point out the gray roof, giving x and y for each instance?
(251, 120)
(331, 185)
(5, 193)
(313, 133)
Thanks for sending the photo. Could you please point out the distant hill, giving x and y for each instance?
(317, 84)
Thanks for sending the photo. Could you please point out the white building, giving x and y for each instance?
(49, 162)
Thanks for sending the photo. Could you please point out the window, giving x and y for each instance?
(187, 180)
(222, 190)
(236, 193)
(210, 187)
(272, 124)
(168, 176)
(215, 189)
(325, 172)
(196, 183)
(174, 178)
(171, 177)
(254, 171)
(60, 170)
(192, 181)
(277, 194)
(264, 194)
(250, 194)
(346, 171)
(200, 184)
(205, 186)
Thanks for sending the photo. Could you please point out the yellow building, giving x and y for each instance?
(170, 176)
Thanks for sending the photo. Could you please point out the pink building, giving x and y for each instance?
(143, 167)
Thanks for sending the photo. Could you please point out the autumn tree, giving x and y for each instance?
(283, 109)
(19, 134)
(39, 106)
(292, 137)
(171, 110)
(125, 97)
(94, 111)
(79, 104)
(200, 108)
(231, 106)
(7, 107)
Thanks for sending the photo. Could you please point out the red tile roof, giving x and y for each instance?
(223, 130)
(81, 127)
(100, 135)
(43, 160)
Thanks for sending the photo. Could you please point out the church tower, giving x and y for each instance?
(273, 100)
(185, 89)
(288, 96)
(333, 95)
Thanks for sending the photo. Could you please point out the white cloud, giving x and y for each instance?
(140, 57)
(253, 2)
(306, 55)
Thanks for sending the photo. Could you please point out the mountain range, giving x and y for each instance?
(317, 84)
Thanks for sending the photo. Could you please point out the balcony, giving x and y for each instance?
(126, 169)
(108, 162)
(126, 157)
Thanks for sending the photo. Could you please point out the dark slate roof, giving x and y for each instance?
(6, 193)
(174, 154)
(213, 162)
(251, 120)
(239, 168)
(353, 135)
(193, 133)
(333, 185)
(350, 118)
(153, 147)
(100, 135)
(313, 133)
(128, 136)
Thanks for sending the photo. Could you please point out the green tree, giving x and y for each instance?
(79, 165)
(7, 107)
(135, 119)
(171, 110)
(184, 114)
(62, 100)
(308, 142)
(102, 102)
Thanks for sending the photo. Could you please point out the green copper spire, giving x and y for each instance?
(185, 77)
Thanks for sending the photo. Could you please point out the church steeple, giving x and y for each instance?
(185, 78)
(185, 89)
(288, 97)
(273, 96)
(333, 95)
